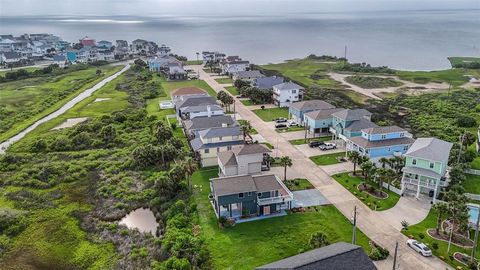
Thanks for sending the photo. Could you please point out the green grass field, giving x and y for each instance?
(233, 90)
(268, 115)
(23, 97)
(327, 159)
(462, 60)
(251, 244)
(247, 102)
(193, 62)
(169, 86)
(302, 141)
(298, 184)
(370, 82)
(472, 184)
(454, 76)
(475, 164)
(351, 183)
(224, 81)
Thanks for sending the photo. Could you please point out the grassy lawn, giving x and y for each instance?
(224, 81)
(454, 76)
(251, 244)
(193, 62)
(169, 86)
(327, 159)
(247, 102)
(369, 82)
(233, 90)
(272, 113)
(351, 183)
(302, 141)
(476, 164)
(430, 222)
(32, 99)
(289, 129)
(472, 184)
(298, 184)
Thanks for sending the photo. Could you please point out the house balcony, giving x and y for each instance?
(422, 183)
(277, 199)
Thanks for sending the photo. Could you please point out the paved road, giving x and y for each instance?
(88, 92)
(374, 224)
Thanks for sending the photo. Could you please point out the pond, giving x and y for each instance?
(141, 219)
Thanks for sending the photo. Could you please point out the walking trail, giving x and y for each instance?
(63, 109)
(381, 227)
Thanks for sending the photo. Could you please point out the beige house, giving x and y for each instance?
(209, 142)
(247, 159)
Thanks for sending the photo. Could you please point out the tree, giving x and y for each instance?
(381, 176)
(457, 174)
(228, 101)
(467, 139)
(366, 169)
(239, 84)
(384, 161)
(457, 209)
(466, 121)
(441, 208)
(39, 145)
(319, 239)
(221, 96)
(162, 132)
(190, 166)
(246, 128)
(98, 72)
(355, 158)
(108, 133)
(285, 161)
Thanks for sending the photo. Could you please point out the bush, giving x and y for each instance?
(434, 245)
(466, 121)
(421, 235)
(378, 253)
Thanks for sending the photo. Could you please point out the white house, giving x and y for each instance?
(286, 93)
(60, 60)
(10, 57)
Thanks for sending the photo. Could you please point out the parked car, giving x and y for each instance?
(281, 125)
(313, 144)
(327, 146)
(419, 247)
(280, 120)
(292, 123)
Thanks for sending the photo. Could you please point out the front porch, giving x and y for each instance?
(415, 182)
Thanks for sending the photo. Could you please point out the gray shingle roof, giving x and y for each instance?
(322, 114)
(351, 115)
(383, 130)
(227, 158)
(364, 143)
(309, 105)
(360, 124)
(338, 256)
(197, 144)
(430, 148)
(244, 183)
(206, 122)
(195, 101)
(248, 74)
(11, 55)
(220, 132)
(288, 86)
(58, 57)
(267, 82)
(201, 108)
(250, 149)
(265, 183)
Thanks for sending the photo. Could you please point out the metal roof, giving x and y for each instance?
(351, 115)
(309, 105)
(430, 148)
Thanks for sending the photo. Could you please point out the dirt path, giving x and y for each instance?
(373, 224)
(411, 87)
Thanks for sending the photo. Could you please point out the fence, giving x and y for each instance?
(473, 196)
(392, 188)
(472, 171)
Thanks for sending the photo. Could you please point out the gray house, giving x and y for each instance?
(193, 101)
(298, 109)
(267, 82)
(247, 195)
(247, 159)
(205, 122)
(338, 256)
(247, 75)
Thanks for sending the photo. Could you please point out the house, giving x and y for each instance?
(338, 256)
(247, 159)
(191, 112)
(233, 64)
(286, 93)
(319, 122)
(87, 42)
(265, 83)
(247, 195)
(248, 75)
(298, 109)
(160, 64)
(139, 46)
(121, 48)
(186, 92)
(104, 45)
(209, 142)
(380, 142)
(193, 101)
(213, 57)
(175, 71)
(163, 50)
(426, 166)
(105, 55)
(71, 56)
(349, 123)
(10, 58)
(200, 123)
(60, 60)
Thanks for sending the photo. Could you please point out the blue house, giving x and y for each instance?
(246, 195)
(349, 123)
(298, 109)
(319, 122)
(71, 56)
(379, 142)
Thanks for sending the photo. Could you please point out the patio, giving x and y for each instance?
(309, 197)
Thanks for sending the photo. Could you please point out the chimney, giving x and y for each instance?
(224, 125)
(209, 111)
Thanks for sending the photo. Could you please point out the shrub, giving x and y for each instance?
(466, 121)
(319, 239)
(173, 125)
(378, 253)
(404, 224)
(421, 235)
(434, 245)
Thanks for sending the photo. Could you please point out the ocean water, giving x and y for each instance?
(411, 40)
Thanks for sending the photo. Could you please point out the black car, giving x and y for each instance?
(315, 143)
(281, 125)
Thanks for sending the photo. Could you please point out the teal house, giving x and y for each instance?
(243, 196)
(319, 122)
(349, 123)
(380, 142)
(426, 167)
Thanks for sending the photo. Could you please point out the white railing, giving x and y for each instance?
(392, 188)
(277, 199)
(472, 171)
(408, 180)
(473, 196)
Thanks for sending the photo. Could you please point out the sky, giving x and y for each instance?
(217, 7)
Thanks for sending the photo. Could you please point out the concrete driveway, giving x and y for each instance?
(315, 151)
(309, 197)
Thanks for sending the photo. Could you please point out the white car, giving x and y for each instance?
(292, 123)
(327, 146)
(166, 105)
(419, 247)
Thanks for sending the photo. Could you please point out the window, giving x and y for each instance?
(229, 148)
(431, 165)
(294, 91)
(207, 151)
(259, 195)
(402, 135)
(220, 138)
(384, 136)
(218, 149)
(405, 148)
(414, 162)
(240, 195)
(249, 193)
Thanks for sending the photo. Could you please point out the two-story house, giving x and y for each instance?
(247, 159)
(186, 92)
(181, 106)
(379, 142)
(426, 166)
(209, 142)
(286, 93)
(349, 123)
(232, 64)
(266, 83)
(248, 75)
(298, 109)
(205, 122)
(246, 195)
(319, 122)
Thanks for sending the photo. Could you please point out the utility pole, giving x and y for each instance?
(354, 233)
(395, 256)
(476, 239)
(198, 68)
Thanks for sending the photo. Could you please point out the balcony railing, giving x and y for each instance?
(408, 180)
(277, 199)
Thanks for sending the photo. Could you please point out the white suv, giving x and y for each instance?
(327, 146)
(419, 247)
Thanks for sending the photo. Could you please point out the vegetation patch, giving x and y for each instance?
(328, 159)
(465, 62)
(268, 115)
(224, 81)
(298, 184)
(370, 82)
(232, 90)
(303, 141)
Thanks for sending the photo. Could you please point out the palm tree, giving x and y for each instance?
(381, 175)
(285, 161)
(246, 128)
(366, 169)
(190, 167)
(391, 175)
(355, 158)
(441, 208)
(384, 161)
